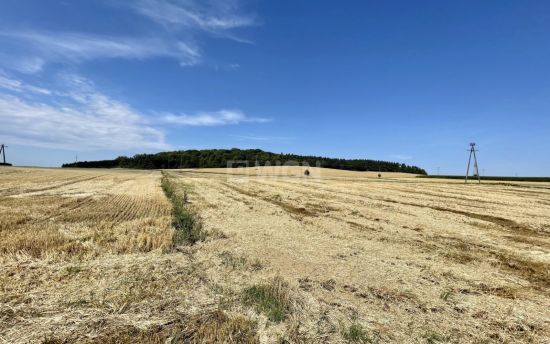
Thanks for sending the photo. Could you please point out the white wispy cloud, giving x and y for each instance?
(205, 15)
(222, 117)
(24, 64)
(173, 29)
(18, 86)
(75, 47)
(83, 118)
(78, 115)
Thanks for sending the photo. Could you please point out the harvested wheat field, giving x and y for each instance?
(104, 256)
(298, 171)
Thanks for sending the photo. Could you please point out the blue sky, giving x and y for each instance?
(408, 81)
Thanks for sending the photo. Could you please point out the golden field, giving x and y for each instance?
(89, 256)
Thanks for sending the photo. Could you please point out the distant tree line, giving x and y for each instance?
(96, 164)
(212, 158)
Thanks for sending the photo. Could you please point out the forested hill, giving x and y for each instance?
(238, 157)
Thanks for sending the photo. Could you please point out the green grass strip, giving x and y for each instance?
(185, 221)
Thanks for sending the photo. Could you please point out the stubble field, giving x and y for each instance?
(90, 256)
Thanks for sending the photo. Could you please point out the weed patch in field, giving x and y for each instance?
(433, 337)
(355, 333)
(231, 261)
(271, 299)
(236, 262)
(73, 270)
(446, 295)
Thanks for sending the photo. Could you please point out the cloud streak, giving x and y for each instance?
(174, 30)
(75, 47)
(18, 86)
(222, 117)
(205, 15)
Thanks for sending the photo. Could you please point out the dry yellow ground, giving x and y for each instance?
(86, 256)
(73, 212)
(408, 259)
(67, 240)
(315, 172)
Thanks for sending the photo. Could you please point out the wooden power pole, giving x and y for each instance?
(473, 151)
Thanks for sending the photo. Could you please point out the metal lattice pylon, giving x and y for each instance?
(3, 151)
(473, 151)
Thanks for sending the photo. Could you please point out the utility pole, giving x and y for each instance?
(473, 151)
(3, 150)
